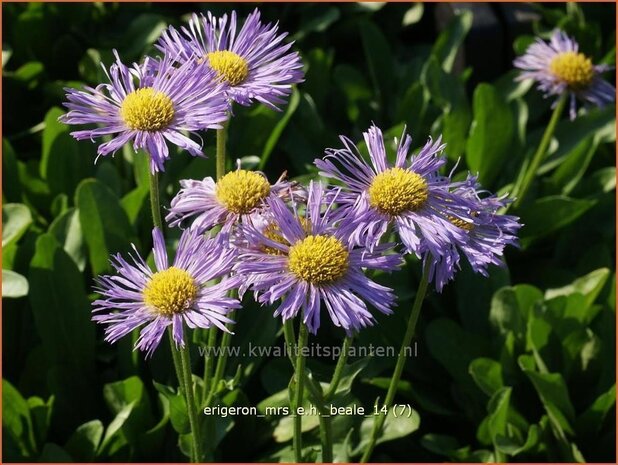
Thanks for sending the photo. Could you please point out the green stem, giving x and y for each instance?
(221, 155)
(221, 363)
(177, 362)
(299, 377)
(326, 438)
(155, 203)
(338, 373)
(227, 336)
(196, 437)
(315, 395)
(209, 363)
(540, 152)
(401, 361)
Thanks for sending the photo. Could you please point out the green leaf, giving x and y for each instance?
(134, 202)
(84, 442)
(600, 122)
(30, 74)
(316, 20)
(549, 214)
(554, 395)
(54, 453)
(425, 397)
(14, 285)
(64, 161)
(119, 395)
(511, 307)
(591, 420)
(105, 225)
(7, 51)
(487, 374)
(16, 420)
(16, 218)
(575, 165)
(446, 46)
(143, 31)
(350, 372)
(60, 306)
(275, 134)
(440, 444)
(413, 15)
(113, 439)
(40, 412)
(178, 408)
(67, 230)
(491, 133)
(90, 65)
(589, 286)
(379, 59)
(511, 447)
(62, 317)
(454, 348)
(395, 427)
(449, 93)
(355, 87)
(538, 340)
(498, 408)
(412, 106)
(10, 170)
(601, 181)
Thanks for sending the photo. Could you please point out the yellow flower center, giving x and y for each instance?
(461, 224)
(573, 68)
(318, 259)
(170, 291)
(273, 232)
(397, 190)
(241, 191)
(147, 109)
(229, 66)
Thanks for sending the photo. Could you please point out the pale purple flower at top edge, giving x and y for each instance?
(410, 194)
(558, 67)
(253, 60)
(304, 261)
(170, 296)
(165, 101)
(486, 235)
(234, 198)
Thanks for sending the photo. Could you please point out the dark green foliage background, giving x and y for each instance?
(517, 367)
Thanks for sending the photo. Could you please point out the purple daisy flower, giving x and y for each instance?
(304, 261)
(486, 235)
(231, 199)
(164, 102)
(559, 67)
(254, 61)
(171, 295)
(411, 194)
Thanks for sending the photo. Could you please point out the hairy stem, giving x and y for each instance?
(196, 437)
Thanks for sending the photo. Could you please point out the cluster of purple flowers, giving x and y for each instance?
(299, 248)
(307, 249)
(203, 70)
